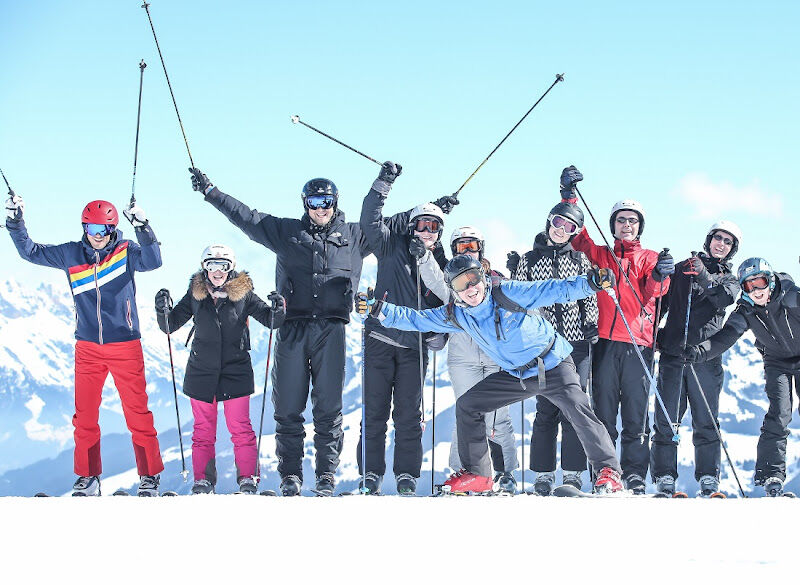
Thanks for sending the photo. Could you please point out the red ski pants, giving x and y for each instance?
(125, 362)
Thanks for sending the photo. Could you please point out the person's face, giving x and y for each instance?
(217, 277)
(565, 230)
(98, 235)
(465, 245)
(760, 296)
(429, 238)
(721, 244)
(626, 225)
(320, 208)
(474, 287)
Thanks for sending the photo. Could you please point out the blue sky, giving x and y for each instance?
(689, 107)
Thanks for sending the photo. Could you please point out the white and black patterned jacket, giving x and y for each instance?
(575, 321)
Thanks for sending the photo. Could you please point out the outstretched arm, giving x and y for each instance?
(408, 319)
(542, 293)
(41, 254)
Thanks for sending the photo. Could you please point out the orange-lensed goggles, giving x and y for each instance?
(755, 283)
(463, 246)
(427, 224)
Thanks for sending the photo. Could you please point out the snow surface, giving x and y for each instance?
(390, 539)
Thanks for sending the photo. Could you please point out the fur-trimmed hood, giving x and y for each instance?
(237, 286)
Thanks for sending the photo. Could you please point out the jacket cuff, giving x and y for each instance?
(381, 187)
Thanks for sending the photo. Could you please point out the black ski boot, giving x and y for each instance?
(773, 487)
(325, 485)
(247, 485)
(202, 486)
(635, 483)
(290, 485)
(709, 487)
(573, 478)
(406, 484)
(544, 483)
(665, 486)
(148, 486)
(373, 484)
(504, 482)
(86, 486)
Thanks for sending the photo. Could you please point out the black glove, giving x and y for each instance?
(601, 278)
(447, 202)
(389, 172)
(199, 181)
(163, 301)
(664, 267)
(512, 263)
(569, 177)
(696, 268)
(278, 303)
(693, 353)
(367, 303)
(416, 248)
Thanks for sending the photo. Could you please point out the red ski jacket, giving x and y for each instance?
(638, 264)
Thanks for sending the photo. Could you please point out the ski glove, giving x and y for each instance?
(200, 182)
(163, 301)
(664, 267)
(447, 202)
(512, 263)
(366, 303)
(135, 215)
(696, 268)
(389, 172)
(15, 207)
(693, 353)
(278, 303)
(570, 176)
(417, 248)
(601, 278)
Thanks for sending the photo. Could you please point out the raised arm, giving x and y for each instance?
(723, 340)
(377, 231)
(433, 277)
(41, 254)
(147, 255)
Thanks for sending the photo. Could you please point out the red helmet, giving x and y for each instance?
(101, 212)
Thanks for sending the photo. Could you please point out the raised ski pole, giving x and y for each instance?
(296, 120)
(653, 386)
(433, 428)
(142, 65)
(716, 428)
(257, 477)
(10, 190)
(559, 77)
(146, 7)
(184, 471)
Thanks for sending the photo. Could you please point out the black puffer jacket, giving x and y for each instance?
(219, 364)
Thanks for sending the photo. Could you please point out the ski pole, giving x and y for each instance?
(184, 471)
(643, 434)
(717, 429)
(363, 489)
(421, 360)
(644, 311)
(146, 7)
(653, 386)
(559, 77)
(522, 440)
(257, 478)
(142, 65)
(10, 190)
(685, 341)
(296, 120)
(433, 428)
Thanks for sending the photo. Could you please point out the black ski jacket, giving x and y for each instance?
(219, 365)
(707, 314)
(397, 269)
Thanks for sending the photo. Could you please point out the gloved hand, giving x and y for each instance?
(200, 182)
(15, 206)
(416, 248)
(389, 172)
(601, 278)
(366, 303)
(664, 267)
(696, 268)
(693, 353)
(447, 202)
(570, 176)
(135, 215)
(278, 303)
(163, 301)
(512, 263)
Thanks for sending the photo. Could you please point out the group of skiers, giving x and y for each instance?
(575, 324)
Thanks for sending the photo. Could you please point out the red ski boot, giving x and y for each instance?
(608, 481)
(463, 481)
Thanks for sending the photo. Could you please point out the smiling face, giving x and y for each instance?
(320, 216)
(718, 246)
(99, 241)
(217, 277)
(474, 294)
(558, 235)
(626, 225)
(428, 237)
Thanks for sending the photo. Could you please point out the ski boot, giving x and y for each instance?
(709, 487)
(148, 486)
(665, 486)
(290, 485)
(406, 484)
(86, 486)
(773, 487)
(202, 486)
(325, 485)
(370, 484)
(504, 483)
(247, 485)
(608, 481)
(572, 478)
(463, 481)
(544, 483)
(635, 483)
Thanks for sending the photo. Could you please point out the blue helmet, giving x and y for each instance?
(753, 267)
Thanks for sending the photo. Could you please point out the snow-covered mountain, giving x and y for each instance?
(36, 405)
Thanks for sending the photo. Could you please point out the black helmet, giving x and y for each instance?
(460, 264)
(569, 210)
(320, 187)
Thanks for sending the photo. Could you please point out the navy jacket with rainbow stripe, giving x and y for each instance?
(101, 280)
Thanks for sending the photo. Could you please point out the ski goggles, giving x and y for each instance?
(466, 245)
(559, 221)
(756, 283)
(718, 237)
(99, 229)
(217, 265)
(427, 224)
(466, 279)
(320, 201)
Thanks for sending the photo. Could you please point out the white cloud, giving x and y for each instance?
(709, 198)
(37, 431)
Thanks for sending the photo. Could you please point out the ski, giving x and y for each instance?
(169, 494)
(41, 495)
(270, 493)
(121, 492)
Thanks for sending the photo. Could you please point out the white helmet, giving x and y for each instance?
(466, 232)
(221, 254)
(627, 205)
(724, 225)
(425, 209)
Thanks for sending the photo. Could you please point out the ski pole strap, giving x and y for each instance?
(538, 361)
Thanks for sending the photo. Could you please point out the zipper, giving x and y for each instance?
(99, 298)
(786, 314)
(128, 314)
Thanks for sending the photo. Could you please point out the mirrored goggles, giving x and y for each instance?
(217, 264)
(559, 221)
(756, 283)
(99, 229)
(466, 279)
(427, 224)
(320, 201)
(720, 238)
(466, 245)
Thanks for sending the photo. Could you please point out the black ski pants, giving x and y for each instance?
(308, 351)
(771, 450)
(548, 417)
(620, 385)
(678, 389)
(392, 383)
(562, 388)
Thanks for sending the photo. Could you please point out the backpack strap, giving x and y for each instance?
(450, 315)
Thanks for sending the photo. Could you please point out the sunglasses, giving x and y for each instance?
(214, 265)
(720, 238)
(99, 229)
(320, 201)
(755, 283)
(463, 246)
(427, 224)
(630, 220)
(466, 279)
(559, 221)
